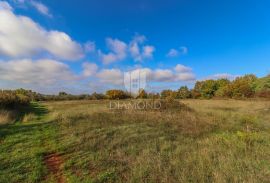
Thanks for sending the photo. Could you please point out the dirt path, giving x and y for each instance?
(53, 162)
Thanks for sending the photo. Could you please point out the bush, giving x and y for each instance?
(263, 93)
(116, 94)
(11, 99)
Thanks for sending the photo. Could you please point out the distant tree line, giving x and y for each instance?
(248, 86)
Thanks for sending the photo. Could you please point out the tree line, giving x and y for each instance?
(248, 86)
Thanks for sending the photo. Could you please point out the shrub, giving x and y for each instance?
(263, 93)
(116, 94)
(11, 99)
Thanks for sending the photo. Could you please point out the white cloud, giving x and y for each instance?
(173, 53)
(178, 74)
(222, 76)
(43, 9)
(116, 76)
(90, 46)
(118, 51)
(20, 36)
(40, 72)
(45, 76)
(40, 7)
(138, 51)
(177, 52)
(187, 76)
(135, 51)
(89, 69)
(182, 68)
(5, 6)
(148, 51)
(162, 75)
(111, 76)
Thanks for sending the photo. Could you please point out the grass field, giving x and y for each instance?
(85, 141)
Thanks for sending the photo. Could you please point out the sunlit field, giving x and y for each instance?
(86, 141)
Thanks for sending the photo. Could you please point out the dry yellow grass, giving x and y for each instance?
(7, 116)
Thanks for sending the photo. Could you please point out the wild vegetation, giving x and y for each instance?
(79, 138)
(192, 141)
(248, 86)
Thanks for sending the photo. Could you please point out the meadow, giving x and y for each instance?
(86, 141)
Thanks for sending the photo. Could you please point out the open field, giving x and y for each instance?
(85, 141)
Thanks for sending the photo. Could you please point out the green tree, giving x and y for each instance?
(223, 88)
(183, 93)
(168, 94)
(196, 91)
(262, 87)
(208, 88)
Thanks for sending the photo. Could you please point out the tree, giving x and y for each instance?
(242, 87)
(262, 87)
(222, 82)
(168, 94)
(208, 88)
(196, 92)
(223, 88)
(142, 94)
(183, 93)
(262, 84)
(116, 94)
(62, 93)
(153, 95)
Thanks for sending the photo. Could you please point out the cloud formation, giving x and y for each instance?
(40, 7)
(177, 52)
(89, 69)
(38, 72)
(118, 51)
(138, 50)
(182, 68)
(116, 76)
(90, 47)
(222, 76)
(5, 6)
(111, 76)
(20, 36)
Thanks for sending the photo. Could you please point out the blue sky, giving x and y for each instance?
(176, 41)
